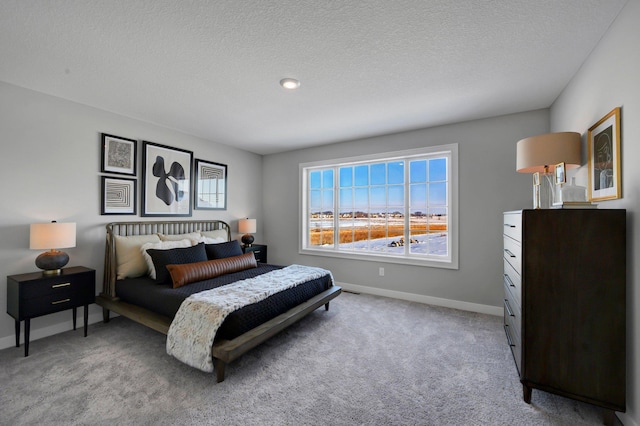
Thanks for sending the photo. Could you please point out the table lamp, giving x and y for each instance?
(247, 227)
(540, 153)
(52, 236)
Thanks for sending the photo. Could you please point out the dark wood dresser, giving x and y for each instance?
(564, 304)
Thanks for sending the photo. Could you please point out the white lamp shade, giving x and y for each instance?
(535, 153)
(247, 226)
(46, 236)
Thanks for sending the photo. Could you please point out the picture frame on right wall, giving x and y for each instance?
(603, 140)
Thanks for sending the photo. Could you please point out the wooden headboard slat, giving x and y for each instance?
(148, 228)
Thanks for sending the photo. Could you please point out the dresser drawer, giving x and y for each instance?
(513, 225)
(513, 313)
(516, 348)
(512, 282)
(513, 254)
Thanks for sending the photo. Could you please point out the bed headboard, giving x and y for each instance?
(148, 228)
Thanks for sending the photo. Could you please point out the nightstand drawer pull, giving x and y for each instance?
(57, 302)
(61, 285)
(257, 251)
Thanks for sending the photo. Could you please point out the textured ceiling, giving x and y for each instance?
(211, 68)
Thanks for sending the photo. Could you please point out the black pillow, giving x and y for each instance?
(176, 256)
(223, 250)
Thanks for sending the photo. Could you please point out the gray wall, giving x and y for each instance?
(609, 78)
(50, 170)
(488, 186)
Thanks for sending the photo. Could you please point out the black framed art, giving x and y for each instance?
(166, 180)
(210, 189)
(118, 155)
(118, 196)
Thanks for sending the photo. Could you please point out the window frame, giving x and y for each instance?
(451, 261)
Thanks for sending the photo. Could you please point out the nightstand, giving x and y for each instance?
(34, 294)
(259, 251)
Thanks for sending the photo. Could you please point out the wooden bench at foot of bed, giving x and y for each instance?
(225, 351)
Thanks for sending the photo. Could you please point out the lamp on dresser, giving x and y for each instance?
(247, 227)
(52, 236)
(537, 154)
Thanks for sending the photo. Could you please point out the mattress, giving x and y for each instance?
(165, 300)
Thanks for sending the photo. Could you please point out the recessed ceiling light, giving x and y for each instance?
(289, 83)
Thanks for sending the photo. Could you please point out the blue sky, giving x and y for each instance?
(358, 186)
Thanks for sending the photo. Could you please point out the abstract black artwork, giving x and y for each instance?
(118, 155)
(166, 180)
(118, 196)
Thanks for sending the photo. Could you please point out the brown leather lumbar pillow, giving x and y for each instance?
(191, 272)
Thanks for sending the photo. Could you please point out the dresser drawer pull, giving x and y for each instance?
(508, 308)
(508, 280)
(509, 226)
(61, 285)
(57, 302)
(509, 253)
(509, 341)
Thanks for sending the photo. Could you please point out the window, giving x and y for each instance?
(394, 207)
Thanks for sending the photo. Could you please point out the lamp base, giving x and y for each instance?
(52, 262)
(247, 240)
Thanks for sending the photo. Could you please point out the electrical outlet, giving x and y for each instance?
(381, 272)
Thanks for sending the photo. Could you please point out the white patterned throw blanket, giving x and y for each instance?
(195, 325)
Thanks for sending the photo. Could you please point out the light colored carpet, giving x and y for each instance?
(368, 361)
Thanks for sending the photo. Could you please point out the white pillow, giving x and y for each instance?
(208, 240)
(162, 245)
(129, 260)
(179, 237)
(216, 234)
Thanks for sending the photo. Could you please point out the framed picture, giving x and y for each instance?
(561, 177)
(118, 196)
(536, 179)
(604, 158)
(210, 189)
(118, 155)
(166, 180)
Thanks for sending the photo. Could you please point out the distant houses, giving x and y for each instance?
(363, 215)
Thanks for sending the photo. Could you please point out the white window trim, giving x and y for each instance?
(451, 263)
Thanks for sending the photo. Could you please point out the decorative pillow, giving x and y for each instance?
(223, 250)
(129, 260)
(177, 237)
(176, 256)
(192, 272)
(161, 245)
(217, 234)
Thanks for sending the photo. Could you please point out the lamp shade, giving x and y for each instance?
(247, 226)
(537, 153)
(54, 235)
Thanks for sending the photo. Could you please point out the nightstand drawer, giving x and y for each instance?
(53, 287)
(50, 304)
(259, 251)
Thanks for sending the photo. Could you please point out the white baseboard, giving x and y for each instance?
(626, 419)
(437, 301)
(39, 333)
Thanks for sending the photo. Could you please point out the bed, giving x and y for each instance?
(141, 299)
